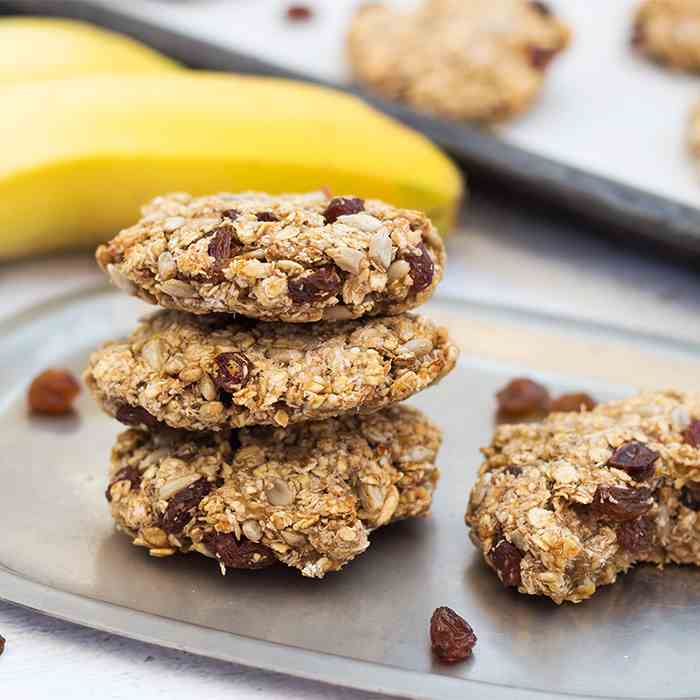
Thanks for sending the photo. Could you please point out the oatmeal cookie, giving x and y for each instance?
(563, 506)
(668, 31)
(294, 258)
(307, 495)
(475, 60)
(213, 372)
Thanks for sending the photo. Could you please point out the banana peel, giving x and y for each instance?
(81, 155)
(44, 48)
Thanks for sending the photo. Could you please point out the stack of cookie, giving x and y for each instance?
(262, 400)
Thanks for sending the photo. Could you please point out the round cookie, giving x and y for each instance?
(563, 506)
(668, 31)
(475, 60)
(307, 495)
(213, 372)
(295, 258)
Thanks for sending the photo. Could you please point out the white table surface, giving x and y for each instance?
(517, 256)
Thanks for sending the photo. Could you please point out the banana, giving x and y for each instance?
(79, 156)
(42, 48)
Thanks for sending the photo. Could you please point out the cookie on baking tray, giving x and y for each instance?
(295, 258)
(563, 506)
(668, 31)
(213, 372)
(307, 495)
(475, 60)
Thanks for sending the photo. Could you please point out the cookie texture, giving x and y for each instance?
(306, 495)
(212, 372)
(295, 258)
(668, 31)
(563, 506)
(474, 60)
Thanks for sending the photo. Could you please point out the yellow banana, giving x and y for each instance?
(79, 156)
(42, 48)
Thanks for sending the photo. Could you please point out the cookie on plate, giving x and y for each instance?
(475, 60)
(307, 495)
(213, 372)
(668, 31)
(563, 506)
(295, 258)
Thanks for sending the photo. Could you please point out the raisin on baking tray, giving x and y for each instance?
(620, 503)
(451, 636)
(52, 392)
(521, 397)
(181, 505)
(319, 285)
(343, 206)
(238, 555)
(2, 644)
(266, 216)
(299, 13)
(422, 268)
(635, 458)
(574, 402)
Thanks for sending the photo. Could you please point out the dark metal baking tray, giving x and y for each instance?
(367, 626)
(640, 218)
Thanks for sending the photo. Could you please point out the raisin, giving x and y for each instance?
(422, 268)
(318, 286)
(231, 214)
(299, 13)
(130, 474)
(2, 644)
(506, 559)
(522, 396)
(691, 435)
(620, 503)
(451, 636)
(221, 244)
(513, 470)
(343, 206)
(238, 555)
(637, 37)
(232, 370)
(540, 58)
(690, 495)
(541, 7)
(266, 216)
(53, 392)
(567, 403)
(636, 535)
(180, 506)
(136, 415)
(635, 458)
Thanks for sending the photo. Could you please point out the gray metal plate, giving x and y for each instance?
(365, 627)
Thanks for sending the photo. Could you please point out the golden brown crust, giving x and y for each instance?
(209, 373)
(308, 495)
(554, 490)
